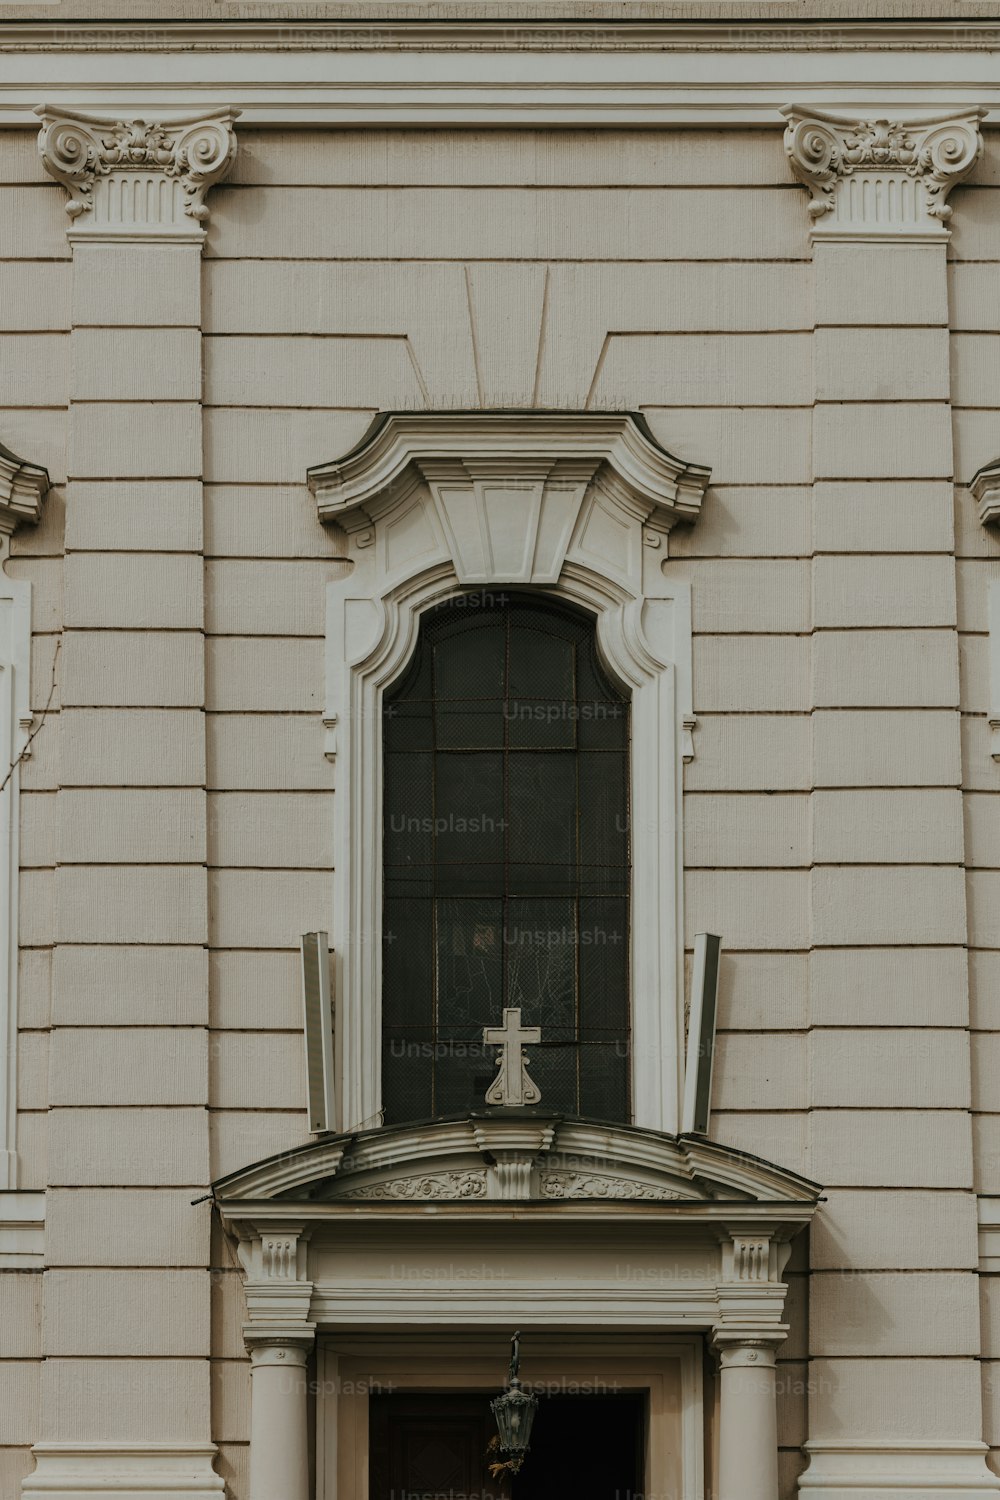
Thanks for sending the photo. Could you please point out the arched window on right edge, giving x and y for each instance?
(506, 859)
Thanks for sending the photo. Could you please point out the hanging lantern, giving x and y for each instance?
(514, 1412)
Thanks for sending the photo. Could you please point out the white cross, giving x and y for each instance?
(512, 1084)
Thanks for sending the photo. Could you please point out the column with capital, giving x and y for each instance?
(891, 1133)
(130, 1005)
(748, 1423)
(749, 1329)
(279, 1433)
(279, 1337)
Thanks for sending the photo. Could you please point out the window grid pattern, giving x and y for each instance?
(506, 860)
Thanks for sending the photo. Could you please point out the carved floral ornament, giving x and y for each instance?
(881, 178)
(137, 177)
(536, 1158)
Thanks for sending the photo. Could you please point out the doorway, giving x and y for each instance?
(436, 1447)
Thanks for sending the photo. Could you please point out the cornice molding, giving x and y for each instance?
(137, 179)
(429, 73)
(880, 178)
(439, 24)
(23, 487)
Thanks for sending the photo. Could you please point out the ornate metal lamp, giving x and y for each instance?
(514, 1412)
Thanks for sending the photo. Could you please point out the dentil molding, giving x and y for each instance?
(881, 178)
(137, 179)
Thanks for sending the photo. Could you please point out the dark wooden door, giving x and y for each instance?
(432, 1447)
(585, 1448)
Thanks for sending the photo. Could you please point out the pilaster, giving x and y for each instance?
(748, 1331)
(889, 979)
(279, 1337)
(130, 1006)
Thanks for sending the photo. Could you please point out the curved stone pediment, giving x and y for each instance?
(530, 1157)
(507, 487)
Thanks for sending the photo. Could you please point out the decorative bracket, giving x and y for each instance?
(23, 487)
(137, 179)
(275, 1261)
(881, 179)
(985, 487)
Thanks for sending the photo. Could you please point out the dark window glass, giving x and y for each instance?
(506, 860)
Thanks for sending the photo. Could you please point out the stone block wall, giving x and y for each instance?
(840, 831)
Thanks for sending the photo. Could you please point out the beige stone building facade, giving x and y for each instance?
(512, 488)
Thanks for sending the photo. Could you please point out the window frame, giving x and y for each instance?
(565, 508)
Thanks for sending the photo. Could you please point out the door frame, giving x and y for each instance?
(666, 1368)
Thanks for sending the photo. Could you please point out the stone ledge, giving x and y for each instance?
(883, 1469)
(129, 1471)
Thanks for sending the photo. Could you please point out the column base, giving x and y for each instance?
(127, 1471)
(919, 1469)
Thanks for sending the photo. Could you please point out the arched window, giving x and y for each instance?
(506, 860)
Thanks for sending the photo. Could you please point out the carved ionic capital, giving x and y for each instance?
(137, 179)
(23, 487)
(881, 178)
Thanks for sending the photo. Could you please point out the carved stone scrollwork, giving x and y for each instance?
(441, 1185)
(589, 1185)
(23, 487)
(137, 178)
(881, 178)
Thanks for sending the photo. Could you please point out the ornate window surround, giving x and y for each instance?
(22, 489)
(577, 505)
